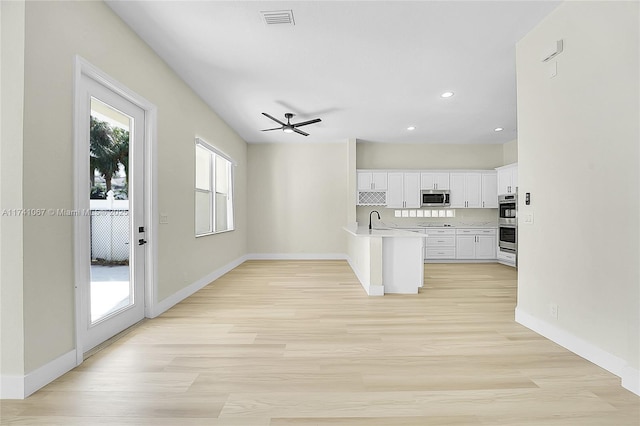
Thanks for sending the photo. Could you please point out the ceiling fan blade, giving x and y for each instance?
(273, 118)
(304, 123)
(275, 128)
(300, 132)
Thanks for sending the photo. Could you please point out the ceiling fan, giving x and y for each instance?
(290, 127)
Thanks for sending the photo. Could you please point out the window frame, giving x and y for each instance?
(213, 153)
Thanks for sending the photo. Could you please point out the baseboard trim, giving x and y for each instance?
(371, 290)
(296, 256)
(185, 292)
(613, 364)
(20, 387)
(631, 380)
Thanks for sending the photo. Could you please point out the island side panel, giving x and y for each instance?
(403, 265)
(365, 258)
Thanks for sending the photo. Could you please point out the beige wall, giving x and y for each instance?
(428, 156)
(11, 227)
(510, 152)
(578, 137)
(55, 32)
(298, 198)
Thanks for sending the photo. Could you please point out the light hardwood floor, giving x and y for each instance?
(300, 343)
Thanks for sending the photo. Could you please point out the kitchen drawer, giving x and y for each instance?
(441, 240)
(439, 231)
(441, 253)
(506, 256)
(480, 231)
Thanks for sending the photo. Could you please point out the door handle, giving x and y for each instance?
(142, 242)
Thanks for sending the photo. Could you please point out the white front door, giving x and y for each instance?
(111, 234)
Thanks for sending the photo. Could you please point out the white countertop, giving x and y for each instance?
(452, 225)
(364, 231)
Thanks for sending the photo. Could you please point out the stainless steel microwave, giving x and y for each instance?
(435, 198)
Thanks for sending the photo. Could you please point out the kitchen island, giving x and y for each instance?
(386, 260)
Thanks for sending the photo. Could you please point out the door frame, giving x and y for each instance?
(81, 235)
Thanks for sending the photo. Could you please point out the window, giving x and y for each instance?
(213, 190)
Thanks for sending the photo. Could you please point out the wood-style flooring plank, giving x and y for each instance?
(280, 343)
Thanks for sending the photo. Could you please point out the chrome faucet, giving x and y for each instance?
(373, 211)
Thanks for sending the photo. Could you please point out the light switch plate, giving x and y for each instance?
(164, 218)
(528, 218)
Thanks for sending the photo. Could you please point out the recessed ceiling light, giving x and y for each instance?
(411, 128)
(446, 95)
(498, 129)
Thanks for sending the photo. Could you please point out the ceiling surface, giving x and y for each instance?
(369, 70)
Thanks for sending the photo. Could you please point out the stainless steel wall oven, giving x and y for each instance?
(508, 209)
(508, 223)
(508, 238)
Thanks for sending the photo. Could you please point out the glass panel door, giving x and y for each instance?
(110, 245)
(111, 284)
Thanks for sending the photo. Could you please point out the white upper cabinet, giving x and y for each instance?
(507, 179)
(489, 190)
(372, 181)
(466, 189)
(434, 180)
(403, 190)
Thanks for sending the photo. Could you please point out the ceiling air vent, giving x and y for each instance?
(278, 17)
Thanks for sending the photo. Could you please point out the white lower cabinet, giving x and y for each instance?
(506, 258)
(440, 244)
(477, 243)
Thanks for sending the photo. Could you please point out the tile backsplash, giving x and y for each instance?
(408, 217)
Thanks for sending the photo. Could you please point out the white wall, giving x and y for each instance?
(578, 156)
(55, 33)
(298, 198)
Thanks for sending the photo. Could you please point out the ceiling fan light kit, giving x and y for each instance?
(290, 127)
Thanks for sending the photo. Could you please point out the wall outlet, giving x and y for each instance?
(528, 218)
(553, 311)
